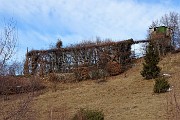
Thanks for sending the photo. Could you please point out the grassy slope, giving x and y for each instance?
(123, 97)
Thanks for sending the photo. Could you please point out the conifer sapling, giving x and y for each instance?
(150, 68)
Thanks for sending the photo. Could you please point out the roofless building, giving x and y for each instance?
(162, 37)
(112, 56)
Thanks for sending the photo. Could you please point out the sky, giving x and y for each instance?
(41, 22)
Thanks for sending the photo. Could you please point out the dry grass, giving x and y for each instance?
(123, 97)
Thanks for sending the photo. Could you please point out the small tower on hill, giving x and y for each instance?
(161, 37)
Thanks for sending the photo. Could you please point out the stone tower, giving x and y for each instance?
(161, 37)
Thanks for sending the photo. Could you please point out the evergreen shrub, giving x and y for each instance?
(150, 68)
(85, 114)
(161, 85)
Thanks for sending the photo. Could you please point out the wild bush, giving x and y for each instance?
(53, 78)
(98, 74)
(81, 73)
(61, 77)
(113, 68)
(161, 85)
(19, 84)
(36, 83)
(85, 114)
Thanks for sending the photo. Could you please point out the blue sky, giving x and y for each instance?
(41, 22)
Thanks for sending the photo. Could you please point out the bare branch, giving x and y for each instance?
(8, 40)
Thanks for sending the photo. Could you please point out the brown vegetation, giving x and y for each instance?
(113, 68)
(15, 85)
(88, 54)
(127, 98)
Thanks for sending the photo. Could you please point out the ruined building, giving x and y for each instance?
(112, 57)
(70, 59)
(161, 36)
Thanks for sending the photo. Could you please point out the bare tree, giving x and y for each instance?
(171, 20)
(15, 68)
(8, 40)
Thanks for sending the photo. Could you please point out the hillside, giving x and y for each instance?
(124, 97)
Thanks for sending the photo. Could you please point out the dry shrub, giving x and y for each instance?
(36, 83)
(81, 73)
(113, 68)
(15, 85)
(62, 77)
(12, 85)
(98, 74)
(69, 77)
(53, 77)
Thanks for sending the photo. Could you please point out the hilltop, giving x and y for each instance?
(123, 97)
